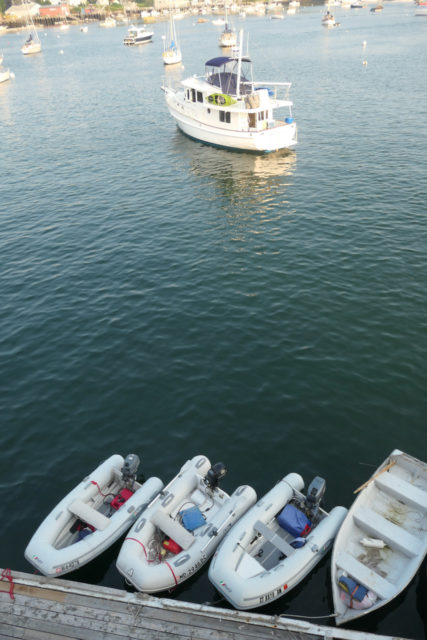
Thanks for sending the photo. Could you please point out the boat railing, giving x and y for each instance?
(273, 88)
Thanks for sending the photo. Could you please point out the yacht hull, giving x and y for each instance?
(281, 136)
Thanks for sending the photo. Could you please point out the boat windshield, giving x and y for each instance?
(222, 72)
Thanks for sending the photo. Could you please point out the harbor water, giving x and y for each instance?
(167, 298)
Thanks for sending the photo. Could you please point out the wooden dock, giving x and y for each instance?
(33, 607)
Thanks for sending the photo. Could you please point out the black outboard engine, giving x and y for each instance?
(315, 493)
(130, 468)
(215, 474)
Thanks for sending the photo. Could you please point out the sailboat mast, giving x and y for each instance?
(239, 64)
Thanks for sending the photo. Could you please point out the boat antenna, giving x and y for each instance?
(239, 65)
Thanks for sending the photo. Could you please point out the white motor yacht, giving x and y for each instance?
(225, 107)
(138, 35)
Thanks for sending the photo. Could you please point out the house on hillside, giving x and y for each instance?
(55, 11)
(21, 11)
(159, 5)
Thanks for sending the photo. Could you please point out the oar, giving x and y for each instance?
(386, 468)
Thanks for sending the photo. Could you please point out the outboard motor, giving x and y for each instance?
(215, 474)
(315, 493)
(130, 468)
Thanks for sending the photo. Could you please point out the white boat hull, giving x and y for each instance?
(172, 56)
(55, 551)
(29, 49)
(141, 560)
(383, 539)
(4, 75)
(280, 136)
(140, 39)
(329, 23)
(228, 39)
(235, 570)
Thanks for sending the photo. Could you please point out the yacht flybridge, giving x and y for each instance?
(225, 107)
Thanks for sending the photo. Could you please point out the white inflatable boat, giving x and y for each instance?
(91, 517)
(180, 530)
(275, 545)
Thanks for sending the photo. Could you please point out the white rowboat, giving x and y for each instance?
(383, 539)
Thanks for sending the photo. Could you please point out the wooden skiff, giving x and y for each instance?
(383, 539)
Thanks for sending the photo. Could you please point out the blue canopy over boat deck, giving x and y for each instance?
(222, 72)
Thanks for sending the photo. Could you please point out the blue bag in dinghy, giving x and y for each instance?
(294, 521)
(350, 586)
(192, 518)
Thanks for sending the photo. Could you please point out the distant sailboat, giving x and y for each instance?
(5, 74)
(172, 52)
(328, 19)
(228, 36)
(32, 43)
(109, 22)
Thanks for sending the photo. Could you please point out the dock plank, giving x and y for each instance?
(94, 623)
(13, 632)
(57, 609)
(82, 624)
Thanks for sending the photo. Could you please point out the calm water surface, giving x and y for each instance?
(166, 298)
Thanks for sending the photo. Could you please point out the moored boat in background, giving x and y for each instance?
(228, 37)
(328, 19)
(109, 22)
(4, 75)
(32, 44)
(138, 35)
(172, 52)
(421, 9)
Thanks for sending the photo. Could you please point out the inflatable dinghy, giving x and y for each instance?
(275, 545)
(91, 517)
(182, 527)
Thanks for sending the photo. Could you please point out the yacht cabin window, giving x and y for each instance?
(225, 116)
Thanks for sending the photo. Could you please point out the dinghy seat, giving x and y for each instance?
(173, 529)
(276, 540)
(88, 514)
(365, 576)
(394, 536)
(402, 490)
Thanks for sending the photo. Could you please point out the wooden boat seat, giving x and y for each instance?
(272, 537)
(365, 576)
(88, 514)
(173, 529)
(394, 536)
(402, 490)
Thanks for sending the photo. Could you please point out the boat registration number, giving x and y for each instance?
(272, 595)
(191, 570)
(67, 566)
